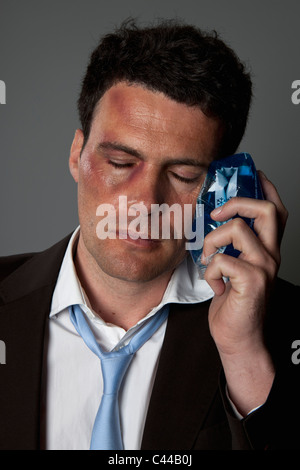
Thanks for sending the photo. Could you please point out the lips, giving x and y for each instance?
(125, 234)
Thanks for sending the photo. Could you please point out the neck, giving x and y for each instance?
(117, 301)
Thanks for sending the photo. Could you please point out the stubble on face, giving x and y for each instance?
(159, 132)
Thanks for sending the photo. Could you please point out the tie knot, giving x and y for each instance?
(113, 369)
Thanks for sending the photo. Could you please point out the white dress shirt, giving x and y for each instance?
(74, 380)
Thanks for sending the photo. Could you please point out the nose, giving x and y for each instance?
(148, 187)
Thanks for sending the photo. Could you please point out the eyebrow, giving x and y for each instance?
(130, 151)
(120, 147)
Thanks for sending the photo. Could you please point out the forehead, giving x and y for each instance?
(133, 112)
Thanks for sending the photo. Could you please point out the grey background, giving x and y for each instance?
(44, 49)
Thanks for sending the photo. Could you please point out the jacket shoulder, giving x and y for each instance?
(9, 264)
(47, 261)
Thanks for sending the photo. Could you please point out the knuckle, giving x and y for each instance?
(266, 272)
(270, 209)
(217, 258)
(238, 224)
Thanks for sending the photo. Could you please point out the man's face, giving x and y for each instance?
(151, 150)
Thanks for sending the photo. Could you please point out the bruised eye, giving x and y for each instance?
(119, 165)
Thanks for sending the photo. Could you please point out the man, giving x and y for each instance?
(157, 106)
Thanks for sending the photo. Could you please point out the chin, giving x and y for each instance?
(134, 269)
(129, 263)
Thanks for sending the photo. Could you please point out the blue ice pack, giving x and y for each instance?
(233, 176)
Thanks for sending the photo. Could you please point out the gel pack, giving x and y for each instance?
(233, 176)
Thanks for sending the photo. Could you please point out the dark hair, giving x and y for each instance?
(186, 64)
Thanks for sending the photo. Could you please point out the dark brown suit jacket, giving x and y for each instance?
(188, 408)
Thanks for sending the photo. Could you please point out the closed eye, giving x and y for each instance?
(119, 165)
(185, 180)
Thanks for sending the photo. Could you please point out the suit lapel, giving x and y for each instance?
(186, 381)
(25, 298)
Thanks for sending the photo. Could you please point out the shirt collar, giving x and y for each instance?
(68, 289)
(184, 285)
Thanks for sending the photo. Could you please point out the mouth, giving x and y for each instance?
(138, 239)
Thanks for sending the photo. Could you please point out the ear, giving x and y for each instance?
(75, 151)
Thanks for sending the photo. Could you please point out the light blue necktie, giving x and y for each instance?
(106, 433)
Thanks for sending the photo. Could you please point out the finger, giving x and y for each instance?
(271, 194)
(244, 277)
(224, 266)
(237, 232)
(264, 214)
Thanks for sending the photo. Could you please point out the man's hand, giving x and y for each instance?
(238, 308)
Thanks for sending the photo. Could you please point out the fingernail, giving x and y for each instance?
(216, 211)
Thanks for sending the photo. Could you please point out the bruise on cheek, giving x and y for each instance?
(90, 174)
(95, 174)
